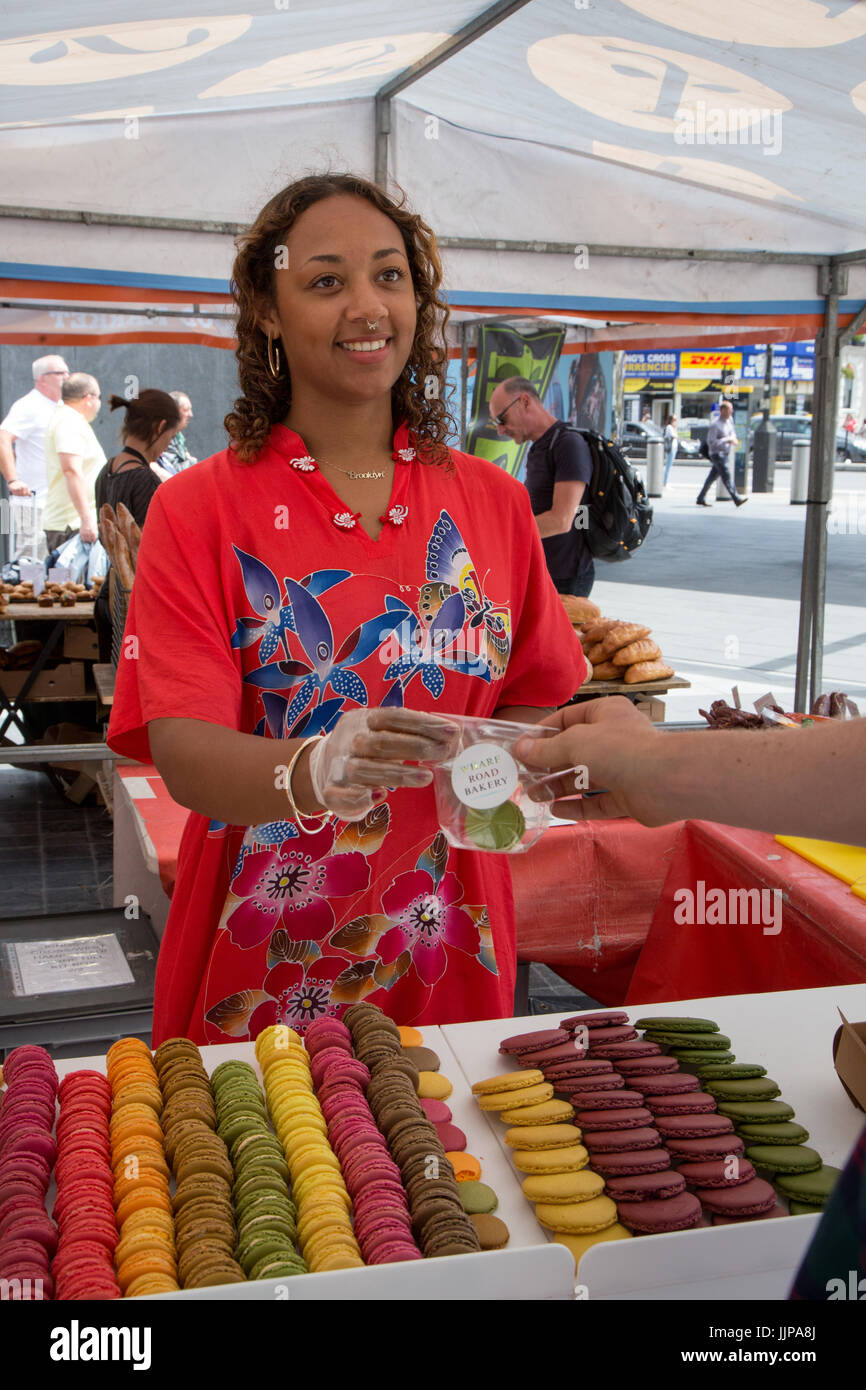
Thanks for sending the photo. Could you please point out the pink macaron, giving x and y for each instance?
(610, 1141)
(653, 1215)
(436, 1111)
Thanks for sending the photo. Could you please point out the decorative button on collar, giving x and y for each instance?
(396, 515)
(347, 521)
(404, 455)
(305, 464)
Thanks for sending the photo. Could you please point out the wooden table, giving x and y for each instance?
(640, 693)
(104, 677)
(12, 705)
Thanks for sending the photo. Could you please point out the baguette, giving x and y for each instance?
(606, 671)
(595, 653)
(125, 571)
(130, 530)
(621, 635)
(589, 674)
(642, 650)
(648, 671)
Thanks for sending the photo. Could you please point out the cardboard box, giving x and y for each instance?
(652, 707)
(849, 1058)
(80, 640)
(64, 682)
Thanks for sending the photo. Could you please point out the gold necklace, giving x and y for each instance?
(349, 472)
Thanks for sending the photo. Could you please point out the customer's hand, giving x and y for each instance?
(617, 750)
(374, 749)
(88, 530)
(19, 488)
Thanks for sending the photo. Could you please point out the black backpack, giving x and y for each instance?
(619, 513)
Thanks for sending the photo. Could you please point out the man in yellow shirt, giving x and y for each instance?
(73, 458)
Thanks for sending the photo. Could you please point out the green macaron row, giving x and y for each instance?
(752, 1101)
(264, 1212)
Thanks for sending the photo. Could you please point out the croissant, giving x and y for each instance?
(621, 635)
(648, 671)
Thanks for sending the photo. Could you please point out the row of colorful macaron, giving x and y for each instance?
(169, 1179)
(593, 1092)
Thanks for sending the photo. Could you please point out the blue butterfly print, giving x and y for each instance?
(425, 651)
(450, 570)
(324, 667)
(274, 618)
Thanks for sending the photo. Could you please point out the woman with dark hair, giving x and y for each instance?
(306, 603)
(149, 422)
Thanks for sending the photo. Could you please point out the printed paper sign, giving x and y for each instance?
(76, 963)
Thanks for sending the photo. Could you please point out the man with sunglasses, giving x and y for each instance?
(22, 448)
(558, 469)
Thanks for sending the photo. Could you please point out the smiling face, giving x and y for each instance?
(347, 267)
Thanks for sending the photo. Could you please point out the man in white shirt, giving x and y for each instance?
(721, 444)
(73, 459)
(22, 449)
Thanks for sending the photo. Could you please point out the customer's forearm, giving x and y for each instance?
(788, 781)
(229, 776)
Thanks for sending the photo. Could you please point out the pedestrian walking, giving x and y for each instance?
(721, 440)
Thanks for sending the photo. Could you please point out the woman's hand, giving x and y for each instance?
(374, 749)
(616, 750)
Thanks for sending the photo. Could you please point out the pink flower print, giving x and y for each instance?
(426, 917)
(299, 993)
(290, 886)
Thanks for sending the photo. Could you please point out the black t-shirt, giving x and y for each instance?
(560, 455)
(134, 487)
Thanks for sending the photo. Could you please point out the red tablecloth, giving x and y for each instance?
(584, 897)
(822, 940)
(598, 903)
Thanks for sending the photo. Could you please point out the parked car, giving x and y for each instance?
(788, 428)
(636, 434)
(851, 446)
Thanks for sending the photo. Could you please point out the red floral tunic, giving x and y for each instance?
(261, 604)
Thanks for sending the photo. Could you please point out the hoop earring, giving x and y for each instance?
(272, 348)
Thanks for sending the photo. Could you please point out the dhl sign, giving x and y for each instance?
(709, 364)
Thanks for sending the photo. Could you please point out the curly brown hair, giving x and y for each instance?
(265, 400)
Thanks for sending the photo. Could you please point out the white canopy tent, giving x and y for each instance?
(654, 170)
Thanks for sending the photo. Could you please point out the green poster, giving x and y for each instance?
(503, 352)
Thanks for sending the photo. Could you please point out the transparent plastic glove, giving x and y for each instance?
(370, 750)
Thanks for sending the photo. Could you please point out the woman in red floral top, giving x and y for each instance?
(336, 557)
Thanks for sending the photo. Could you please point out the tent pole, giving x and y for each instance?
(832, 282)
(475, 29)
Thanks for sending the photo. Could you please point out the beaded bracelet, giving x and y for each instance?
(321, 817)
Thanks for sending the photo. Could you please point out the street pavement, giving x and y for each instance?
(720, 589)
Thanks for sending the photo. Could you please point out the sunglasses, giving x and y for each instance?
(500, 419)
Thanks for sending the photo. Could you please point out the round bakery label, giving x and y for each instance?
(484, 775)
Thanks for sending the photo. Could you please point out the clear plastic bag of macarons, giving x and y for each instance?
(483, 797)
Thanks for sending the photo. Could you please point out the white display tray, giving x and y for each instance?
(791, 1034)
(527, 1268)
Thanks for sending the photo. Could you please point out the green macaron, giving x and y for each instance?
(784, 1133)
(696, 1057)
(813, 1188)
(477, 1198)
(679, 1025)
(750, 1088)
(756, 1112)
(730, 1071)
(499, 828)
(704, 1042)
(279, 1266)
(784, 1158)
(803, 1208)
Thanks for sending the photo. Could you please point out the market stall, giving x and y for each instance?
(516, 1244)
